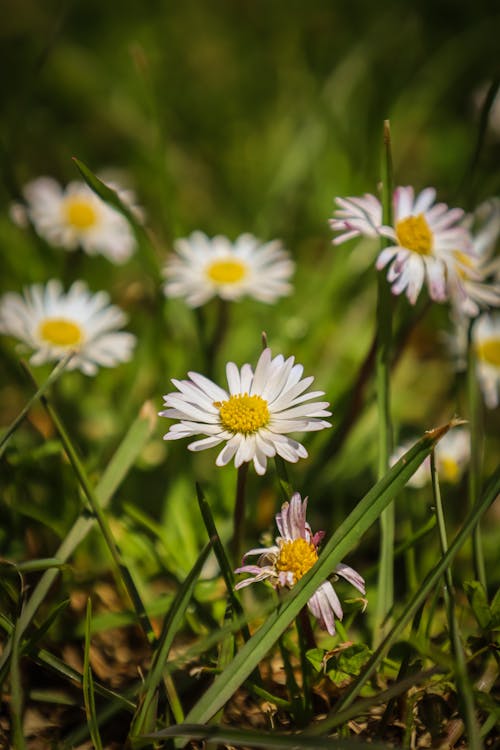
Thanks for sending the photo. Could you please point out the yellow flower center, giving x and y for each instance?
(243, 413)
(449, 469)
(60, 332)
(413, 232)
(80, 213)
(489, 351)
(227, 271)
(297, 557)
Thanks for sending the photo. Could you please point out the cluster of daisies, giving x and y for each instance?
(449, 252)
(52, 323)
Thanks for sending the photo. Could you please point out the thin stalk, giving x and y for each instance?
(239, 513)
(464, 686)
(385, 596)
(54, 375)
(475, 458)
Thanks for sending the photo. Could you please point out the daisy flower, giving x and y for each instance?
(253, 417)
(294, 553)
(452, 455)
(75, 216)
(202, 268)
(422, 236)
(486, 343)
(473, 279)
(52, 323)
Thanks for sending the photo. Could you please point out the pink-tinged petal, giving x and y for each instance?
(424, 200)
(385, 257)
(436, 275)
(352, 576)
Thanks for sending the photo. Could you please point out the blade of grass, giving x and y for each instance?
(16, 691)
(260, 739)
(88, 683)
(120, 464)
(346, 536)
(385, 588)
(171, 625)
(54, 375)
(110, 196)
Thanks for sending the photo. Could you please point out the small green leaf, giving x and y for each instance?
(479, 603)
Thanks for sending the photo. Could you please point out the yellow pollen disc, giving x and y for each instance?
(60, 332)
(413, 232)
(489, 351)
(297, 557)
(449, 470)
(80, 213)
(243, 413)
(227, 271)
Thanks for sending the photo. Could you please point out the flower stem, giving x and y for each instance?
(239, 513)
(382, 372)
(475, 458)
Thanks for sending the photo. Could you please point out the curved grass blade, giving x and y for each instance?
(248, 738)
(88, 684)
(16, 690)
(346, 536)
(171, 625)
(54, 375)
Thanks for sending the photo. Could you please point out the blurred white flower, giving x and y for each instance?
(473, 279)
(423, 235)
(452, 454)
(295, 552)
(253, 417)
(52, 323)
(75, 216)
(204, 267)
(486, 344)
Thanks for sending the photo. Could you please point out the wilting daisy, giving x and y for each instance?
(52, 323)
(295, 552)
(422, 236)
(204, 267)
(486, 344)
(452, 455)
(253, 417)
(473, 279)
(75, 216)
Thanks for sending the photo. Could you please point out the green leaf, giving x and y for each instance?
(88, 684)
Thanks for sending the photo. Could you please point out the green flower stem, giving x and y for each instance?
(385, 595)
(462, 679)
(54, 375)
(475, 457)
(239, 513)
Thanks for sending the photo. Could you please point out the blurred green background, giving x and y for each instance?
(234, 116)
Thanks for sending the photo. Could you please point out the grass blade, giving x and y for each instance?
(88, 684)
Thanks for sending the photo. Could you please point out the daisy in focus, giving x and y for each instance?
(253, 417)
(52, 323)
(452, 456)
(74, 216)
(486, 345)
(295, 552)
(422, 238)
(204, 267)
